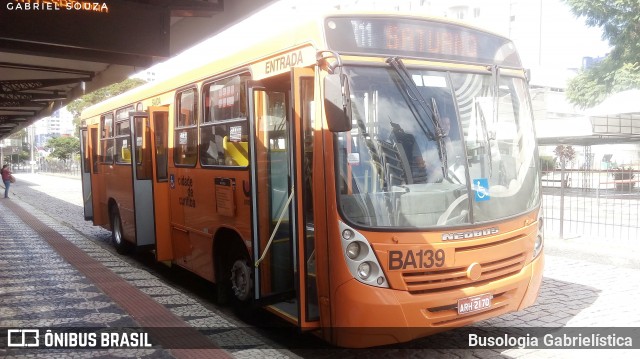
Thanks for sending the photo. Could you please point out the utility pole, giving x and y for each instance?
(31, 144)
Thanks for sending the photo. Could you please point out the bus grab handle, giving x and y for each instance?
(273, 233)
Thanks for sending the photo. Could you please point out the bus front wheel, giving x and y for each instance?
(241, 280)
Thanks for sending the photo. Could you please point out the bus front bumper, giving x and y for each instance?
(365, 316)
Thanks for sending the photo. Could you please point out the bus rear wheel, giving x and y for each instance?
(116, 231)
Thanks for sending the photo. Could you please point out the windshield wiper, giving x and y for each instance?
(442, 148)
(414, 94)
(487, 137)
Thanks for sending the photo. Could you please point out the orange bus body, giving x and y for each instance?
(236, 171)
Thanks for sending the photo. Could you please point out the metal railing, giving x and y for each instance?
(592, 203)
(68, 168)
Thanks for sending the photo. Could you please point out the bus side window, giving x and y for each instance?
(106, 138)
(211, 145)
(186, 135)
(224, 133)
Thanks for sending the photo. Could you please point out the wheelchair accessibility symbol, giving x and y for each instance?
(481, 189)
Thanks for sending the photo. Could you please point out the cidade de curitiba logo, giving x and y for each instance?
(35, 338)
(53, 5)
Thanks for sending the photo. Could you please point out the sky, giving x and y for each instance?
(565, 38)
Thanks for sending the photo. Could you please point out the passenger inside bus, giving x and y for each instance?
(410, 152)
(212, 146)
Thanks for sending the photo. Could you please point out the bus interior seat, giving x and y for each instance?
(126, 154)
(424, 204)
(236, 153)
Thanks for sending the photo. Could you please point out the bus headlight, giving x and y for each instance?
(537, 246)
(353, 250)
(360, 258)
(348, 234)
(539, 243)
(364, 270)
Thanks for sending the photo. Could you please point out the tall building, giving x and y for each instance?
(60, 123)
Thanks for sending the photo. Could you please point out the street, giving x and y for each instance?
(585, 285)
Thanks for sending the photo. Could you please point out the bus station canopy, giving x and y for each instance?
(51, 54)
(615, 120)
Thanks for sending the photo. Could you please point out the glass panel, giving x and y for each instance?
(142, 135)
(94, 149)
(186, 146)
(162, 159)
(224, 144)
(106, 151)
(106, 124)
(406, 163)
(273, 192)
(122, 128)
(86, 157)
(500, 144)
(106, 144)
(306, 117)
(186, 108)
(226, 99)
(186, 139)
(123, 149)
(123, 114)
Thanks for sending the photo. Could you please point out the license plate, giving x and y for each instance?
(474, 304)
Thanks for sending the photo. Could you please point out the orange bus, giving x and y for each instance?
(371, 178)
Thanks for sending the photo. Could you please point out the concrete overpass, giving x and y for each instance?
(54, 51)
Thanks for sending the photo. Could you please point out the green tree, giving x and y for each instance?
(564, 154)
(620, 69)
(63, 147)
(77, 106)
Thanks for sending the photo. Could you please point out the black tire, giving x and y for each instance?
(235, 283)
(117, 238)
(242, 288)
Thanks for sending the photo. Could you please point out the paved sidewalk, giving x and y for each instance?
(597, 250)
(42, 287)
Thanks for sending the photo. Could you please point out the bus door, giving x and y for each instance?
(272, 202)
(303, 113)
(97, 196)
(140, 155)
(85, 168)
(159, 155)
(279, 200)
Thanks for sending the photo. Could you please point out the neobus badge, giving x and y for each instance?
(470, 234)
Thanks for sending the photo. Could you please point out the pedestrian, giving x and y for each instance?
(6, 178)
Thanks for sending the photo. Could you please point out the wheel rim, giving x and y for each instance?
(241, 282)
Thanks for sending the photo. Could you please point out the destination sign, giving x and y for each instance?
(418, 38)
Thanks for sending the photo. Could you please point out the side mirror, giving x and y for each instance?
(337, 102)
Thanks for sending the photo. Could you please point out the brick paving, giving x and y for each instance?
(53, 276)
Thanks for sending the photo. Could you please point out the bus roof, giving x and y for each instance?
(217, 56)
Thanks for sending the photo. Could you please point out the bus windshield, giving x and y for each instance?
(434, 149)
